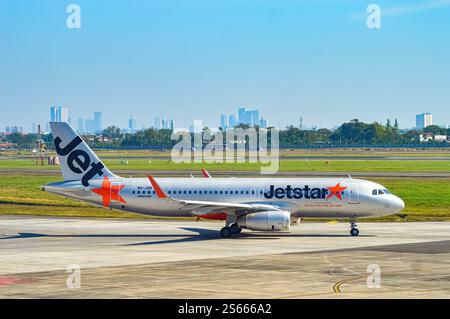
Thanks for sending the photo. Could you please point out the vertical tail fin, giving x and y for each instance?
(78, 161)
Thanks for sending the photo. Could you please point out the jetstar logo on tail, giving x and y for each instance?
(109, 192)
(78, 160)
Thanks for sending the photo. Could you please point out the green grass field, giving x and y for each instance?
(426, 199)
(285, 165)
(345, 152)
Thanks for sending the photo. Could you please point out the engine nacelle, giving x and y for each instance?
(266, 221)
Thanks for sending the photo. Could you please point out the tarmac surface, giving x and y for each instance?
(40, 258)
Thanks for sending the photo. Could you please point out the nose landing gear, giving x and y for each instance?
(353, 230)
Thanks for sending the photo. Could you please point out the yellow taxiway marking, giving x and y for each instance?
(337, 286)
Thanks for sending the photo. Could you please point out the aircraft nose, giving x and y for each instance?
(397, 203)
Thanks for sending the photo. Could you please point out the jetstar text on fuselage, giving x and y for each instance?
(296, 192)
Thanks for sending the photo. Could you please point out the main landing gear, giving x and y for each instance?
(353, 230)
(228, 231)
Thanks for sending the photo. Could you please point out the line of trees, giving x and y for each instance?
(352, 133)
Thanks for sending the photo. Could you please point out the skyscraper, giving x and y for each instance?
(223, 121)
(98, 121)
(232, 120)
(157, 123)
(59, 114)
(241, 115)
(423, 120)
(248, 117)
(131, 124)
(63, 114)
(53, 111)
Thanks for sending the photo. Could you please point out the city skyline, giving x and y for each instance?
(249, 117)
(203, 59)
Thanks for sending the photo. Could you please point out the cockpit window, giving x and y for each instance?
(380, 192)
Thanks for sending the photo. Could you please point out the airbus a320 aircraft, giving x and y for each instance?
(263, 204)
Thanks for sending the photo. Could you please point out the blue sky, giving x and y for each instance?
(198, 59)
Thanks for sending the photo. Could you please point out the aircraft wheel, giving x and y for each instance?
(226, 232)
(235, 229)
(354, 232)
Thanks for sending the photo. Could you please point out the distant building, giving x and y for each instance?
(157, 124)
(427, 137)
(80, 125)
(223, 121)
(232, 121)
(264, 123)
(131, 124)
(248, 117)
(53, 111)
(423, 120)
(14, 129)
(59, 114)
(97, 122)
(440, 138)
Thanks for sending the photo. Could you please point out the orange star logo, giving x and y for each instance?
(109, 192)
(336, 191)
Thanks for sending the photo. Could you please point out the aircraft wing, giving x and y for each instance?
(195, 204)
(207, 207)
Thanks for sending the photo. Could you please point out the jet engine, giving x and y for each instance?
(266, 221)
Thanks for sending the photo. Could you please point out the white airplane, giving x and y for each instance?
(262, 204)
